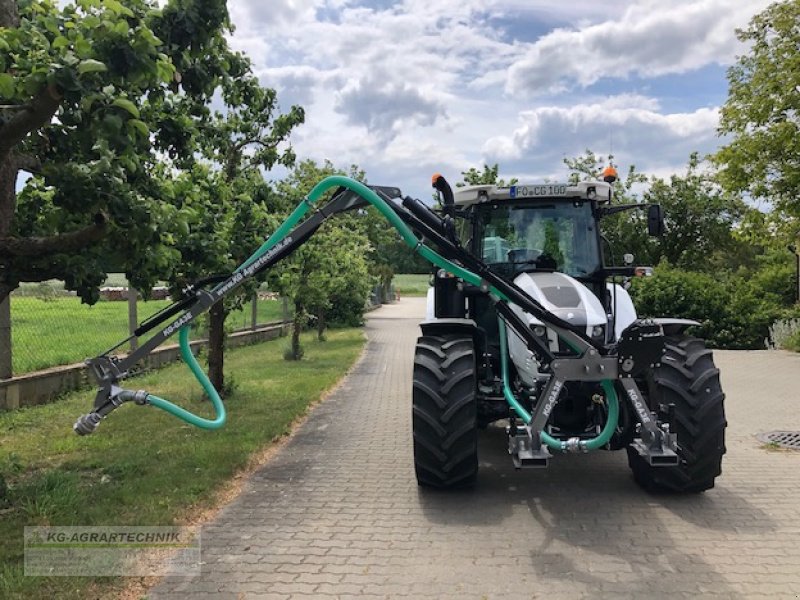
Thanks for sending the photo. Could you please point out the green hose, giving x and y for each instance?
(412, 242)
(185, 415)
(592, 444)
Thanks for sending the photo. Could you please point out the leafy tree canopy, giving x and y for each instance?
(105, 103)
(699, 214)
(489, 176)
(761, 113)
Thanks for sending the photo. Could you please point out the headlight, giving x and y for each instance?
(598, 331)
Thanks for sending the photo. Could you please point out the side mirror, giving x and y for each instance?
(655, 221)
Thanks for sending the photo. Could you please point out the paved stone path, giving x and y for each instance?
(337, 512)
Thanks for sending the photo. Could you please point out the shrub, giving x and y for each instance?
(793, 343)
(734, 311)
(785, 334)
(346, 308)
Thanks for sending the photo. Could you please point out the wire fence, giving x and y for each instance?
(50, 327)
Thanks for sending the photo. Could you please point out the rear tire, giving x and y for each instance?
(445, 422)
(688, 379)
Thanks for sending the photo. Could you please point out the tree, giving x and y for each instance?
(489, 176)
(699, 218)
(225, 221)
(240, 142)
(83, 96)
(84, 92)
(106, 104)
(699, 215)
(623, 232)
(761, 112)
(331, 267)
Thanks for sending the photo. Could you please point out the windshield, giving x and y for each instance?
(557, 236)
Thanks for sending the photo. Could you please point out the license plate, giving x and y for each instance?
(539, 191)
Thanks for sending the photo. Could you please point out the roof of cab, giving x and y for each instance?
(476, 194)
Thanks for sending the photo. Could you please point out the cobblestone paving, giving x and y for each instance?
(337, 513)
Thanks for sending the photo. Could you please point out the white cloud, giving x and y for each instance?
(651, 38)
(639, 133)
(385, 108)
(404, 88)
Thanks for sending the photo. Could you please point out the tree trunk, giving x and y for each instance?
(216, 344)
(299, 309)
(321, 325)
(8, 194)
(8, 203)
(387, 288)
(9, 17)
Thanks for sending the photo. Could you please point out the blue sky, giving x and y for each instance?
(408, 88)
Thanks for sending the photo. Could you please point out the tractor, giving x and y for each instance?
(525, 324)
(470, 371)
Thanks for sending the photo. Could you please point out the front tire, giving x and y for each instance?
(688, 379)
(445, 424)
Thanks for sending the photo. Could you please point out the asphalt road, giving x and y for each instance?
(337, 512)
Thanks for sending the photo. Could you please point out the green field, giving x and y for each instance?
(411, 284)
(62, 331)
(142, 466)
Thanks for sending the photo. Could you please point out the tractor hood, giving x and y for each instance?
(563, 296)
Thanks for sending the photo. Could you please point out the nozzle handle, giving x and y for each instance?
(86, 424)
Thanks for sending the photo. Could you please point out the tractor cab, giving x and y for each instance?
(528, 228)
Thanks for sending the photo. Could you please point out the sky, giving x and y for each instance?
(409, 88)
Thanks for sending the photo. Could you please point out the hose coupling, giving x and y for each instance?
(575, 445)
(138, 397)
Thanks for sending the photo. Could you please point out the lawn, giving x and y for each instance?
(142, 466)
(61, 330)
(411, 284)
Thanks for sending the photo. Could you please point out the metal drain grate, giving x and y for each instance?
(784, 439)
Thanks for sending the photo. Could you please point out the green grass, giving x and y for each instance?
(411, 284)
(62, 331)
(143, 467)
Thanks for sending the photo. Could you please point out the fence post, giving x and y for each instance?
(284, 326)
(133, 319)
(254, 324)
(5, 338)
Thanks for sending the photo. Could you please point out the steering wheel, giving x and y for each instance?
(532, 256)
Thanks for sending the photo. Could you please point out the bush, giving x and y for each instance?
(735, 312)
(793, 343)
(785, 334)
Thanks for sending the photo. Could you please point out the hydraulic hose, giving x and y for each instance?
(412, 242)
(197, 371)
(285, 228)
(592, 444)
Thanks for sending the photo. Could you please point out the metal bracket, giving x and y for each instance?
(657, 445)
(526, 449)
(592, 366)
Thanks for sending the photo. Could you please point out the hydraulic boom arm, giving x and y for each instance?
(418, 226)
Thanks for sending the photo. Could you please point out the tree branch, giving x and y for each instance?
(36, 273)
(35, 115)
(38, 247)
(28, 163)
(247, 141)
